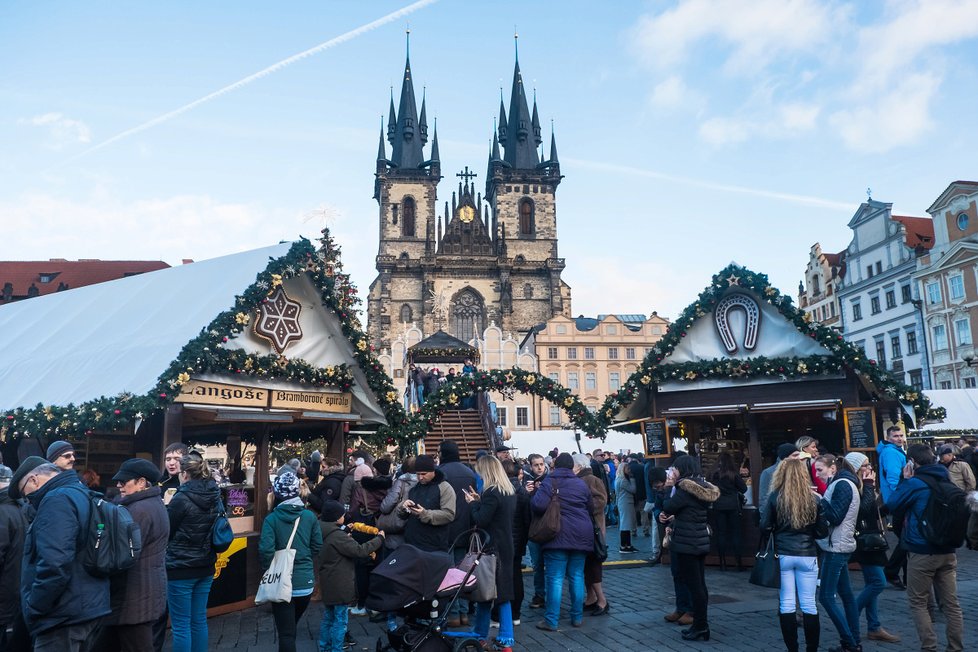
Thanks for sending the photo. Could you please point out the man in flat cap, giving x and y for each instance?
(62, 455)
(62, 603)
(140, 592)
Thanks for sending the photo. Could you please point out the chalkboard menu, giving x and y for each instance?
(860, 428)
(656, 438)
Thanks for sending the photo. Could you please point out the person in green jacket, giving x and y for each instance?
(337, 574)
(276, 531)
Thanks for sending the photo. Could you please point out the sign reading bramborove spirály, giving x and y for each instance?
(341, 402)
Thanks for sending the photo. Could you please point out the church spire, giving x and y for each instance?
(536, 121)
(381, 150)
(423, 120)
(517, 142)
(408, 136)
(391, 120)
(434, 145)
(502, 118)
(553, 147)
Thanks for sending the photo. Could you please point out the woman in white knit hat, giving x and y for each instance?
(870, 548)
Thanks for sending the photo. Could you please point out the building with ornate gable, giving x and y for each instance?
(483, 259)
(817, 294)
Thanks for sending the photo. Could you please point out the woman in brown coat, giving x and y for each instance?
(595, 601)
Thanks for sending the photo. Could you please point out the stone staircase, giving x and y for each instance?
(465, 427)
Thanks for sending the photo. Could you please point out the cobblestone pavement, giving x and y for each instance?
(742, 616)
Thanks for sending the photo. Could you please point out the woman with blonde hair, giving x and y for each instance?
(793, 516)
(493, 511)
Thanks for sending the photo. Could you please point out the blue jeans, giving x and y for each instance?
(506, 637)
(798, 574)
(332, 630)
(538, 563)
(875, 582)
(559, 563)
(684, 600)
(188, 612)
(420, 396)
(835, 581)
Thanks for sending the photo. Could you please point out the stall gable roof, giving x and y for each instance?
(117, 336)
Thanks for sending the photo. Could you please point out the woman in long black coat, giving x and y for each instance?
(493, 512)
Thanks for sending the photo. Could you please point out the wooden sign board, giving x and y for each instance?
(655, 438)
(312, 401)
(860, 424)
(209, 393)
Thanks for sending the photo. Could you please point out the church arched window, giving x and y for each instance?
(407, 315)
(526, 216)
(407, 217)
(468, 315)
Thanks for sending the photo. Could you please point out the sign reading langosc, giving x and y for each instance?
(203, 392)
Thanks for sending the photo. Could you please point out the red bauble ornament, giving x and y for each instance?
(117, 412)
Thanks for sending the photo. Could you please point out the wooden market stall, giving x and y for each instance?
(742, 371)
(245, 350)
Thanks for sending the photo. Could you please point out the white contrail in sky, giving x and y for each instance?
(723, 187)
(339, 40)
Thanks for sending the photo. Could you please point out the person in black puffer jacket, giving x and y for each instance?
(13, 530)
(189, 555)
(727, 509)
(794, 517)
(687, 510)
(329, 486)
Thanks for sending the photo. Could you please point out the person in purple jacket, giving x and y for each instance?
(566, 552)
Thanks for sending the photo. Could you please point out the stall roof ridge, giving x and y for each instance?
(117, 336)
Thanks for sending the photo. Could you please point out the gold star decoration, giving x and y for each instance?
(509, 377)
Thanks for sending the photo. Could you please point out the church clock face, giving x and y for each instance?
(466, 214)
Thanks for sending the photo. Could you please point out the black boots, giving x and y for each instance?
(789, 631)
(812, 631)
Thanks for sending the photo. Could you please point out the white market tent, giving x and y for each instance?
(543, 441)
(961, 406)
(120, 336)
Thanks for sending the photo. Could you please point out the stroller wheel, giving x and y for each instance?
(467, 645)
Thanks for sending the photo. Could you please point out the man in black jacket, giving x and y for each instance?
(460, 477)
(62, 602)
(13, 527)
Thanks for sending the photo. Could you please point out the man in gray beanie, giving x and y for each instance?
(62, 455)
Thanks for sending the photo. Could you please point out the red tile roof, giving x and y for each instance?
(48, 276)
(919, 230)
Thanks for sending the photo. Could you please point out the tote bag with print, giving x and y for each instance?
(276, 582)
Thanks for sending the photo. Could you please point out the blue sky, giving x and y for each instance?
(691, 132)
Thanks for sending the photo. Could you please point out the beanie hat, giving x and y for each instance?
(362, 471)
(856, 459)
(286, 486)
(424, 463)
(564, 461)
(57, 449)
(784, 450)
(331, 511)
(382, 466)
(25, 468)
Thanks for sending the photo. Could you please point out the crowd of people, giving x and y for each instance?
(342, 518)
(422, 382)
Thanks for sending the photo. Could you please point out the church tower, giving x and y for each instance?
(406, 192)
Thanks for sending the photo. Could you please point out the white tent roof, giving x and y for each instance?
(961, 406)
(543, 441)
(120, 336)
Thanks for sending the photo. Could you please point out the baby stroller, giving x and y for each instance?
(420, 586)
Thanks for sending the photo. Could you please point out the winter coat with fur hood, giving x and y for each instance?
(690, 504)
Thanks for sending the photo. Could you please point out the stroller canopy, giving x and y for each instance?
(406, 576)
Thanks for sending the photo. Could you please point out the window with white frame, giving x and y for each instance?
(968, 382)
(589, 353)
(612, 352)
(590, 380)
(874, 304)
(895, 345)
(890, 299)
(501, 416)
(554, 376)
(554, 415)
(940, 337)
(572, 353)
(946, 384)
(572, 381)
(629, 352)
(911, 342)
(962, 331)
(933, 292)
(522, 417)
(614, 381)
(552, 352)
(955, 287)
(857, 311)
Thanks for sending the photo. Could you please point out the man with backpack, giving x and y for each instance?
(934, 514)
(62, 602)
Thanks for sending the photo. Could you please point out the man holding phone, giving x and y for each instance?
(538, 473)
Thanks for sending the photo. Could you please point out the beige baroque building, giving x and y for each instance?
(816, 294)
(947, 277)
(592, 357)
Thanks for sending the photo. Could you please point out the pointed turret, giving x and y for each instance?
(502, 117)
(391, 120)
(409, 138)
(537, 138)
(423, 120)
(494, 156)
(434, 145)
(553, 149)
(381, 150)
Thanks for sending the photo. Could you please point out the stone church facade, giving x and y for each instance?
(482, 260)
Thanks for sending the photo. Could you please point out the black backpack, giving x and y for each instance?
(113, 541)
(944, 522)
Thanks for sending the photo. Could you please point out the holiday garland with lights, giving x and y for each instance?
(208, 353)
(451, 392)
(843, 355)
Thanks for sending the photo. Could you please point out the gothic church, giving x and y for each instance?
(484, 260)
